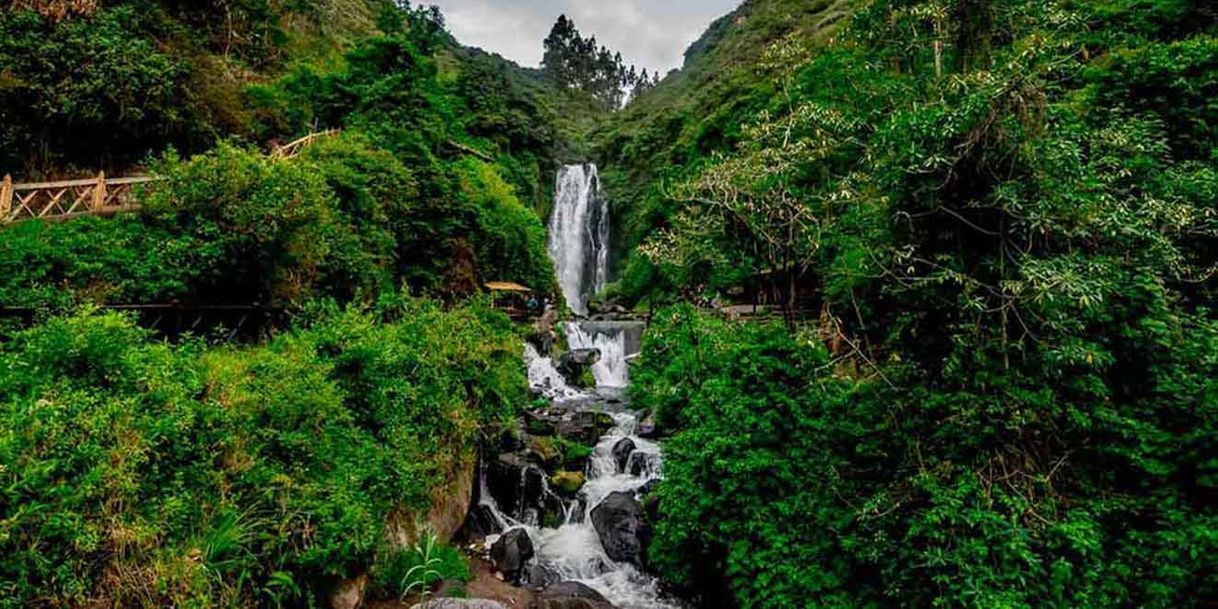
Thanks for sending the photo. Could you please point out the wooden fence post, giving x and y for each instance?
(6, 198)
(99, 192)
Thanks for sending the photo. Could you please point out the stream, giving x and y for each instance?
(570, 548)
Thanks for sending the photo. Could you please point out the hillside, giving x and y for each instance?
(984, 234)
(700, 108)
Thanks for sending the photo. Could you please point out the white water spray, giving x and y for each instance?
(612, 370)
(579, 235)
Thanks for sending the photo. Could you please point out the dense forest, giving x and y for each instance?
(990, 228)
(983, 236)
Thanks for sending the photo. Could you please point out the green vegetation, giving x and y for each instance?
(142, 474)
(997, 219)
(138, 473)
(400, 573)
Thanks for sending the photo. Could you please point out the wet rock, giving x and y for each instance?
(570, 595)
(459, 603)
(621, 453)
(540, 424)
(642, 464)
(516, 484)
(585, 427)
(580, 510)
(571, 365)
(479, 523)
(617, 521)
(545, 452)
(647, 428)
(511, 554)
(540, 576)
(567, 483)
(647, 489)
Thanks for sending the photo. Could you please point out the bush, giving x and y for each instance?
(794, 482)
(137, 473)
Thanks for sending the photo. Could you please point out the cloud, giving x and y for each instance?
(651, 34)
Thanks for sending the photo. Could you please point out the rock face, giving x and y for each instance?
(570, 595)
(621, 453)
(617, 521)
(511, 555)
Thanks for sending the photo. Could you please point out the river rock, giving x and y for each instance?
(647, 428)
(621, 453)
(516, 484)
(540, 424)
(479, 523)
(459, 603)
(540, 576)
(648, 488)
(643, 464)
(511, 554)
(571, 365)
(567, 483)
(570, 595)
(617, 521)
(585, 427)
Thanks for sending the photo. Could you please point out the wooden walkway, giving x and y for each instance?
(67, 199)
(98, 196)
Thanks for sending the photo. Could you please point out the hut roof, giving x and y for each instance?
(506, 286)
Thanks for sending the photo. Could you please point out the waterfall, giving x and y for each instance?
(579, 235)
(612, 370)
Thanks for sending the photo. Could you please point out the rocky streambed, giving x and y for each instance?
(564, 503)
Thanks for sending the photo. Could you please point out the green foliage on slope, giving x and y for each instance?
(139, 474)
(1000, 216)
(794, 482)
(420, 189)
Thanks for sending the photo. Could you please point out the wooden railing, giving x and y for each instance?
(291, 149)
(66, 199)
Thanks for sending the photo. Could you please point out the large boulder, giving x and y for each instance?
(617, 521)
(516, 485)
(479, 523)
(570, 595)
(511, 554)
(571, 365)
(621, 453)
(585, 427)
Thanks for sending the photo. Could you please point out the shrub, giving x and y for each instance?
(137, 473)
(794, 482)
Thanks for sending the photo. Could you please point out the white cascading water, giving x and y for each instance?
(579, 245)
(573, 550)
(612, 370)
(545, 379)
(579, 235)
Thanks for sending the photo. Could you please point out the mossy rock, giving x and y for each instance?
(547, 450)
(567, 483)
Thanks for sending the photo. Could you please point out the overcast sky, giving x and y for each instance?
(651, 34)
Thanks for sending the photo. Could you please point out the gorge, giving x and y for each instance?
(591, 534)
